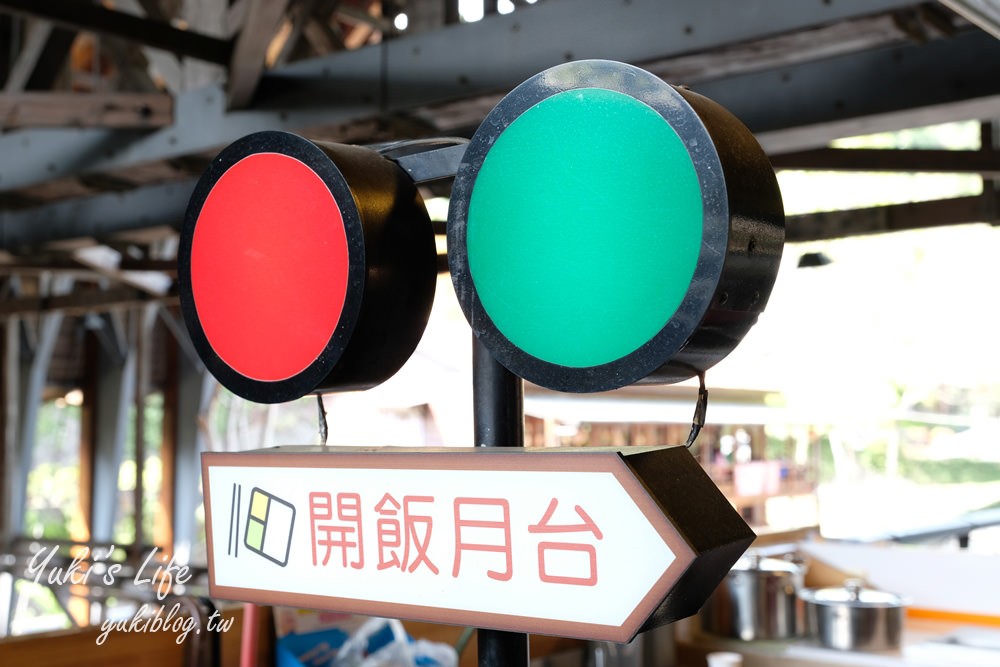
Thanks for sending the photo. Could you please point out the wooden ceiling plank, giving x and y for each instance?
(81, 302)
(299, 15)
(247, 64)
(358, 16)
(107, 262)
(986, 15)
(104, 110)
(323, 37)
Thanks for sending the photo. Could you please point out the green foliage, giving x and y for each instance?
(53, 495)
(53, 510)
(826, 467)
(152, 475)
(777, 449)
(57, 435)
(949, 471)
(152, 427)
(873, 458)
(38, 608)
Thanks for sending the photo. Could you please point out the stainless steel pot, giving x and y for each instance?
(855, 618)
(758, 599)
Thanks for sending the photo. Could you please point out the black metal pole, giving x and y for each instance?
(497, 401)
(502, 649)
(498, 417)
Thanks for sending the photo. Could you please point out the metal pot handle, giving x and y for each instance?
(854, 588)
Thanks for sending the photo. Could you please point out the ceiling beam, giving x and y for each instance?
(985, 163)
(984, 13)
(166, 66)
(108, 263)
(201, 123)
(414, 71)
(823, 41)
(98, 217)
(41, 59)
(352, 14)
(97, 18)
(250, 49)
(28, 57)
(806, 105)
(460, 61)
(810, 104)
(10, 33)
(299, 14)
(112, 110)
(984, 208)
(81, 302)
(107, 215)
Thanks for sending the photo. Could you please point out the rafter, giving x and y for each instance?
(28, 58)
(81, 302)
(41, 59)
(456, 64)
(87, 16)
(247, 62)
(984, 163)
(107, 262)
(984, 208)
(99, 216)
(111, 110)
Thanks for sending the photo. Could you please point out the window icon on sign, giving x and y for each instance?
(269, 526)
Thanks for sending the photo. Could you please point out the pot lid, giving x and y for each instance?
(854, 594)
(754, 562)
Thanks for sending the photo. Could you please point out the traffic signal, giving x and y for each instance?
(606, 228)
(304, 267)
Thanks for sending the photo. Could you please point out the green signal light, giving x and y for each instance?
(606, 228)
(584, 227)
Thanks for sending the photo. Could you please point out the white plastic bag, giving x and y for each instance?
(400, 651)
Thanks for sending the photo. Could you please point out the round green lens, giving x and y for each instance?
(584, 227)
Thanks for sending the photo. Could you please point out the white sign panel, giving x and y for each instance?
(526, 543)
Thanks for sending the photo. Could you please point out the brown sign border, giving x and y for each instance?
(500, 459)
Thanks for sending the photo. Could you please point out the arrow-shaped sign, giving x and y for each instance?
(590, 543)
